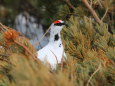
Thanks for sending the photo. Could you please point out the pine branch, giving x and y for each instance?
(13, 37)
(92, 11)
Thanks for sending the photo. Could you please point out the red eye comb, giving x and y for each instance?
(58, 21)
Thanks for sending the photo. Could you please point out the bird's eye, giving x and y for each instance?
(59, 24)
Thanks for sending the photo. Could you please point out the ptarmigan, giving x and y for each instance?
(53, 52)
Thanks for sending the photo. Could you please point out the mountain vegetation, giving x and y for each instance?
(89, 42)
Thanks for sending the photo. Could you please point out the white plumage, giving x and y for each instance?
(53, 52)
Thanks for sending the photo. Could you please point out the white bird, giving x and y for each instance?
(53, 52)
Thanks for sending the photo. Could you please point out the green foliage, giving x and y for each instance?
(89, 45)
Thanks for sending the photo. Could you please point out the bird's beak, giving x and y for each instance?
(66, 24)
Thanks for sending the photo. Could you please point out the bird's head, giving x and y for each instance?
(57, 26)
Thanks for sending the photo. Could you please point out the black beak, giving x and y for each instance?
(66, 24)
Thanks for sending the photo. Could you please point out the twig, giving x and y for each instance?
(37, 43)
(92, 11)
(5, 61)
(91, 3)
(93, 74)
(4, 55)
(34, 57)
(62, 61)
(100, 3)
(55, 56)
(69, 3)
(104, 14)
(3, 27)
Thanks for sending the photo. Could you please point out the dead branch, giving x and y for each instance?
(92, 11)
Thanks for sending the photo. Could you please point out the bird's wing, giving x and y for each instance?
(46, 56)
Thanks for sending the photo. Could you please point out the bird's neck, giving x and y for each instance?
(55, 37)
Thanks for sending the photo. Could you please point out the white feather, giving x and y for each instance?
(53, 52)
